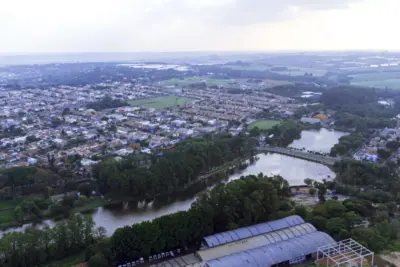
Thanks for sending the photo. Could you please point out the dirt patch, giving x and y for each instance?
(392, 258)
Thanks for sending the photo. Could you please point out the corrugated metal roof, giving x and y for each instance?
(189, 260)
(275, 253)
(256, 241)
(245, 232)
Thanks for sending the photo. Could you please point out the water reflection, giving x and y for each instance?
(293, 169)
(318, 140)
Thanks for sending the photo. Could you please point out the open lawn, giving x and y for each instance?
(378, 80)
(5, 204)
(161, 102)
(7, 211)
(6, 216)
(263, 124)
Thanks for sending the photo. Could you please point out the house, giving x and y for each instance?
(310, 120)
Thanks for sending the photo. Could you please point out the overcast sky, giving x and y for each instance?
(197, 25)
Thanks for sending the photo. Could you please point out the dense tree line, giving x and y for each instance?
(26, 180)
(347, 144)
(38, 247)
(174, 170)
(81, 74)
(367, 175)
(343, 220)
(285, 133)
(106, 103)
(294, 90)
(12, 131)
(349, 120)
(243, 202)
(224, 72)
(358, 108)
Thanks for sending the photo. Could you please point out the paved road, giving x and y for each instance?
(327, 160)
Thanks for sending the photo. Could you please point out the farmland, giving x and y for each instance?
(297, 71)
(161, 102)
(378, 80)
(190, 80)
(263, 124)
(292, 71)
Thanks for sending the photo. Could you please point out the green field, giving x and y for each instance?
(7, 215)
(263, 124)
(378, 80)
(161, 102)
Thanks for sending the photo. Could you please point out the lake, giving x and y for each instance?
(318, 140)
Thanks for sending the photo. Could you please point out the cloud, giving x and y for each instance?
(144, 25)
(245, 12)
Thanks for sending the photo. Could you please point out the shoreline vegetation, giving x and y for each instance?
(201, 156)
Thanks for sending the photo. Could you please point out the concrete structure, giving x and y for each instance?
(300, 154)
(310, 120)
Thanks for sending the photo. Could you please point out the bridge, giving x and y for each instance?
(326, 160)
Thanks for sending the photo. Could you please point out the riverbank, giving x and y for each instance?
(196, 186)
(94, 203)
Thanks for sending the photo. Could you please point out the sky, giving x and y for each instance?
(54, 26)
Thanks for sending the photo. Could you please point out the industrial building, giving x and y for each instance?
(276, 243)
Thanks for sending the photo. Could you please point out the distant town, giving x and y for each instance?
(173, 158)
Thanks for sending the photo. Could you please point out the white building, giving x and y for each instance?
(310, 120)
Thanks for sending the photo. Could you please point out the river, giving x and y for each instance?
(292, 169)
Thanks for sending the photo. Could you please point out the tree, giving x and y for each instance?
(384, 153)
(352, 219)
(393, 145)
(335, 225)
(98, 260)
(312, 191)
(86, 189)
(31, 139)
(308, 182)
(68, 201)
(335, 208)
(255, 132)
(301, 211)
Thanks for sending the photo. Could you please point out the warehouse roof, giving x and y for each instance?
(256, 241)
(245, 232)
(189, 260)
(276, 252)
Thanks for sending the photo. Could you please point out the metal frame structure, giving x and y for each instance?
(344, 253)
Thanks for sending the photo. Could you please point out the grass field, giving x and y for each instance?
(7, 215)
(161, 102)
(263, 124)
(378, 80)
